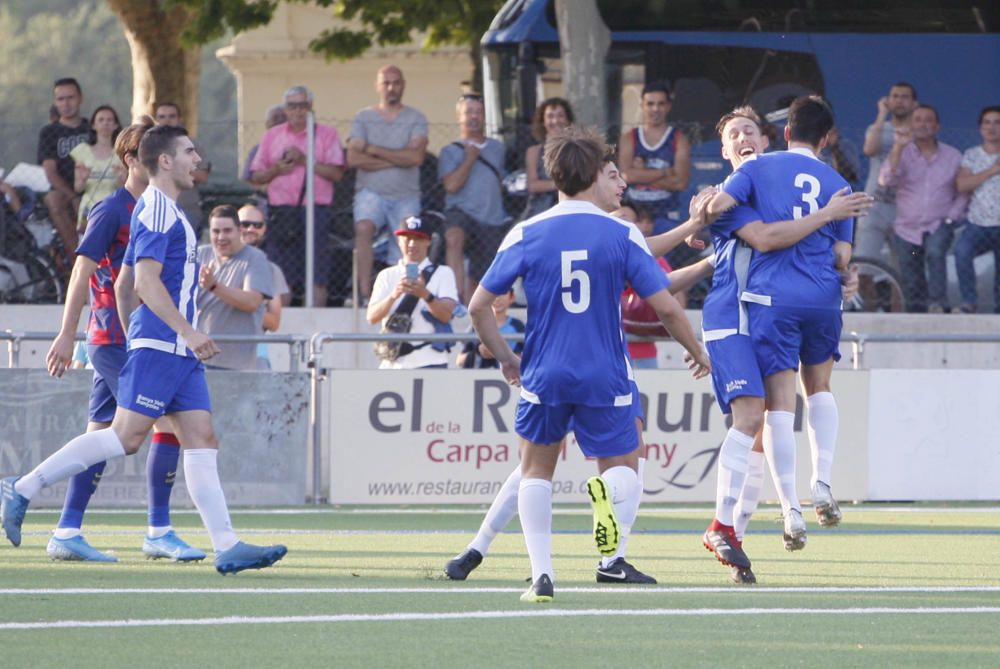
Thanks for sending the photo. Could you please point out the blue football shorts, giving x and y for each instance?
(601, 432)
(155, 383)
(784, 336)
(107, 360)
(735, 372)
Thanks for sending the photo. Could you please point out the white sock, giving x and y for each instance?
(76, 456)
(640, 473)
(746, 505)
(501, 511)
(201, 473)
(733, 455)
(66, 532)
(625, 492)
(534, 505)
(779, 447)
(824, 419)
(157, 532)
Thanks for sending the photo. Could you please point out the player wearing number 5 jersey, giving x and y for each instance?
(574, 260)
(793, 299)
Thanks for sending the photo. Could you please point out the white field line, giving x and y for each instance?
(467, 615)
(565, 510)
(445, 590)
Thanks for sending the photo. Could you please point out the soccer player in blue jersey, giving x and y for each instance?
(736, 376)
(793, 298)
(98, 262)
(163, 374)
(574, 260)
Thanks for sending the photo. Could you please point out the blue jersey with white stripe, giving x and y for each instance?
(723, 314)
(575, 260)
(161, 232)
(788, 185)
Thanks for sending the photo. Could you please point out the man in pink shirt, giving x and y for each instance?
(923, 170)
(280, 163)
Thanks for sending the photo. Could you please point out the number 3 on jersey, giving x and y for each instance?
(810, 192)
(577, 276)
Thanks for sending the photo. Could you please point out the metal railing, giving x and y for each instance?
(860, 340)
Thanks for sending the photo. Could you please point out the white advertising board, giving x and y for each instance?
(447, 436)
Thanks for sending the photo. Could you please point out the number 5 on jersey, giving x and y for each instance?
(577, 276)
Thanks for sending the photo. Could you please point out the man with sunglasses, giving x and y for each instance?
(253, 229)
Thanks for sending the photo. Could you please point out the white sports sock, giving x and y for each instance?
(824, 419)
(157, 532)
(201, 474)
(733, 455)
(76, 456)
(66, 532)
(625, 493)
(534, 505)
(746, 505)
(779, 447)
(501, 511)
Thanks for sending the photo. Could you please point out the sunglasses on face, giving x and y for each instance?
(252, 224)
(470, 96)
(297, 105)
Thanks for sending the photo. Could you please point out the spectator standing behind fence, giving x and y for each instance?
(475, 355)
(656, 160)
(472, 172)
(923, 171)
(55, 142)
(281, 164)
(436, 295)
(275, 116)
(234, 281)
(550, 116)
(253, 228)
(97, 172)
(387, 146)
(874, 230)
(980, 176)
(169, 113)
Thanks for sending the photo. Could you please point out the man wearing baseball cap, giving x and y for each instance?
(428, 290)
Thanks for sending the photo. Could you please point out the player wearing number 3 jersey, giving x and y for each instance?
(574, 260)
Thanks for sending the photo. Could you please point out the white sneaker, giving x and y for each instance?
(827, 510)
(795, 531)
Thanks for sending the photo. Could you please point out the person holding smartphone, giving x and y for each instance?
(415, 277)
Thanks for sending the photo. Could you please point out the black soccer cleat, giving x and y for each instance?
(743, 576)
(727, 550)
(620, 571)
(459, 567)
(541, 591)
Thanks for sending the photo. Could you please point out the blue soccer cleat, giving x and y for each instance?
(76, 549)
(12, 508)
(171, 547)
(247, 556)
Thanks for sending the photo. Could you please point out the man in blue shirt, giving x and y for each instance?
(163, 374)
(793, 298)
(574, 260)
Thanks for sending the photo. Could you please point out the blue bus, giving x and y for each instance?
(718, 54)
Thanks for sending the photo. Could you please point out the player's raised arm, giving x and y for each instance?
(766, 237)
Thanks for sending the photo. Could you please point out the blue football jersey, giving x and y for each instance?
(788, 185)
(723, 314)
(575, 260)
(160, 231)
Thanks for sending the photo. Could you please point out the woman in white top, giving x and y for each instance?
(98, 172)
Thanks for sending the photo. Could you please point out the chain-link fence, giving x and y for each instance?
(33, 268)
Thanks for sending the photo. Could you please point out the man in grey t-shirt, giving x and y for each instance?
(387, 145)
(472, 172)
(235, 281)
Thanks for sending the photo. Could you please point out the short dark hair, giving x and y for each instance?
(746, 111)
(538, 120)
(992, 109)
(129, 138)
(68, 81)
(573, 158)
(225, 211)
(903, 84)
(157, 141)
(658, 86)
(937, 117)
(809, 119)
(167, 103)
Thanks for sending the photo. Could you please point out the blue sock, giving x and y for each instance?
(161, 471)
(78, 493)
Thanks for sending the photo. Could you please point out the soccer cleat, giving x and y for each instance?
(171, 547)
(726, 548)
(76, 549)
(459, 567)
(620, 571)
(540, 591)
(13, 505)
(605, 522)
(743, 576)
(827, 510)
(247, 556)
(795, 531)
